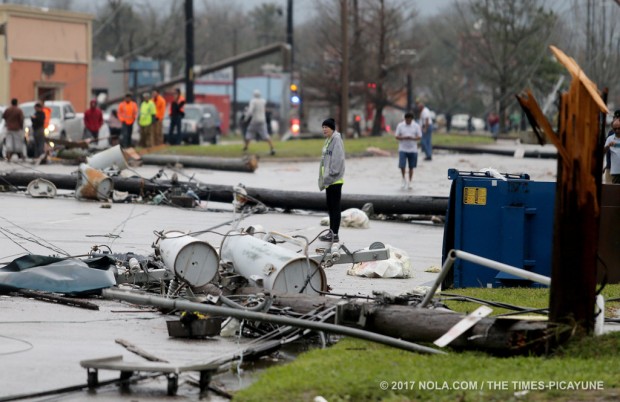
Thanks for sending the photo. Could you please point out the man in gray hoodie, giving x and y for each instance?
(331, 177)
(256, 119)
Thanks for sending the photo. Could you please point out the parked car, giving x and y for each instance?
(200, 124)
(64, 122)
(459, 122)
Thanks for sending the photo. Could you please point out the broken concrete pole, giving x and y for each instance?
(496, 335)
(288, 200)
(248, 163)
(137, 298)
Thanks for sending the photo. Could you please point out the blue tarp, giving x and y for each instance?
(59, 275)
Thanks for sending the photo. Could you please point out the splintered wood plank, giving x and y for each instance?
(577, 73)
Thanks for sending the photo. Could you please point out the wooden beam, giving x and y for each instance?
(576, 230)
(529, 104)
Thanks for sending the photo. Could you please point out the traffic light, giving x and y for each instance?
(295, 99)
(295, 126)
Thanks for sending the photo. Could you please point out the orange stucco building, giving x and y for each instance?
(45, 54)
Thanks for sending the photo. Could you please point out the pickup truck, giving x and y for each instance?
(64, 122)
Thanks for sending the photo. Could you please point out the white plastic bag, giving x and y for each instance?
(351, 218)
(398, 265)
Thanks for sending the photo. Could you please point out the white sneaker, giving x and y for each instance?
(409, 185)
(403, 185)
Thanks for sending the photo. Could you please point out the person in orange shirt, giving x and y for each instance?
(127, 114)
(48, 114)
(160, 111)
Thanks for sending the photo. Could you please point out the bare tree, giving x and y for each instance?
(377, 66)
(268, 23)
(505, 41)
(441, 79)
(384, 23)
(118, 30)
(597, 43)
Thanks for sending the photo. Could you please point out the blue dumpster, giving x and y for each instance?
(509, 221)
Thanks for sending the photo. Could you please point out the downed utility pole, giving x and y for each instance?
(315, 201)
(576, 231)
(464, 149)
(137, 298)
(248, 163)
(502, 336)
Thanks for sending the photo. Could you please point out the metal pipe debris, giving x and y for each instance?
(485, 262)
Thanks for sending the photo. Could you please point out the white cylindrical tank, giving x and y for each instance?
(93, 184)
(111, 157)
(192, 260)
(271, 266)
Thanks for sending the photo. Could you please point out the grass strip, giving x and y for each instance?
(232, 147)
(354, 370)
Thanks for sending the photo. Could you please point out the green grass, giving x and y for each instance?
(522, 297)
(352, 370)
(311, 148)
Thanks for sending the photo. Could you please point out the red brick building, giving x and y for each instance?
(45, 54)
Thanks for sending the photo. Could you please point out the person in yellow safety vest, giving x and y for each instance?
(176, 113)
(160, 111)
(146, 119)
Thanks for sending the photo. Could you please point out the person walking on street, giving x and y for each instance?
(146, 119)
(331, 177)
(612, 144)
(408, 133)
(93, 120)
(176, 112)
(127, 114)
(426, 122)
(14, 125)
(38, 130)
(160, 112)
(258, 122)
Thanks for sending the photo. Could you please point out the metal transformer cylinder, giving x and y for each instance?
(93, 184)
(192, 260)
(271, 266)
(111, 157)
